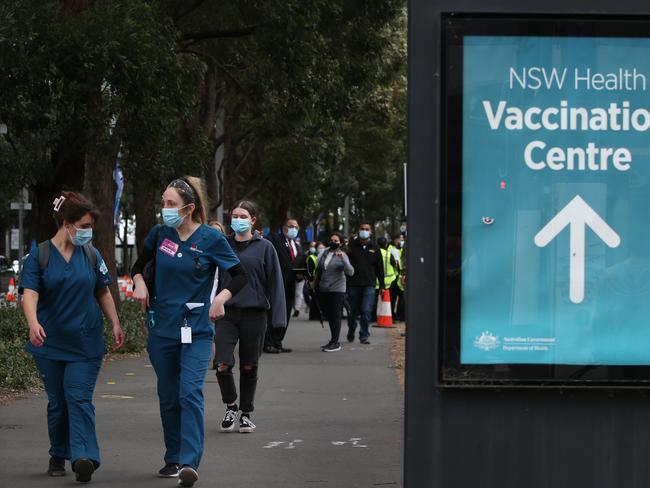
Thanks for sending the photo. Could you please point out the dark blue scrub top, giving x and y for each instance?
(185, 274)
(67, 308)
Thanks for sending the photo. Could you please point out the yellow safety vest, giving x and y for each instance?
(400, 281)
(389, 271)
(314, 258)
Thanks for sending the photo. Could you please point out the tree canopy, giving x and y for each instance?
(298, 104)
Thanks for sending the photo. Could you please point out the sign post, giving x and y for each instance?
(21, 207)
(528, 358)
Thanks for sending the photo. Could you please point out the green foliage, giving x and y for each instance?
(17, 369)
(132, 321)
(313, 93)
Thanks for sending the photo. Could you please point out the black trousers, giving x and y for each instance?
(246, 327)
(395, 293)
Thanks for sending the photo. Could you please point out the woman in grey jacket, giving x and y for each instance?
(333, 267)
(246, 316)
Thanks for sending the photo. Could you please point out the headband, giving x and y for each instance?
(185, 187)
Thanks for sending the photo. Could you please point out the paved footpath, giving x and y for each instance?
(323, 420)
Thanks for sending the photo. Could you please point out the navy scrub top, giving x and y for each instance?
(67, 308)
(185, 274)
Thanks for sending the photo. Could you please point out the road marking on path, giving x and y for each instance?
(111, 382)
(117, 397)
(147, 366)
(290, 445)
(129, 374)
(353, 441)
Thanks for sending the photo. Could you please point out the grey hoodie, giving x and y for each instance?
(265, 288)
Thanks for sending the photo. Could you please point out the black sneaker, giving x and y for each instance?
(333, 347)
(83, 469)
(187, 476)
(169, 470)
(228, 422)
(364, 341)
(56, 467)
(245, 424)
(350, 336)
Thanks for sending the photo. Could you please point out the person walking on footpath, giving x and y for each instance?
(365, 258)
(183, 254)
(333, 267)
(291, 259)
(245, 320)
(391, 264)
(63, 280)
(215, 224)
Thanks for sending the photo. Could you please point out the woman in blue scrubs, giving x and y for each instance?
(62, 282)
(180, 318)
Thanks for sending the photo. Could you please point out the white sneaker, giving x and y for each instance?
(245, 425)
(228, 422)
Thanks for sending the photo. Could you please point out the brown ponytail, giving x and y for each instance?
(192, 190)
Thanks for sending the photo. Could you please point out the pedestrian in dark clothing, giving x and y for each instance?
(246, 316)
(292, 264)
(333, 267)
(365, 258)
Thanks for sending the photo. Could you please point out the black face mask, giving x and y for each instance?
(334, 246)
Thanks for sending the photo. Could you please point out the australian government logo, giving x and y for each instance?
(487, 341)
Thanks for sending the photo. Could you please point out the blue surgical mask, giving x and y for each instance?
(364, 234)
(312, 250)
(82, 237)
(171, 217)
(240, 226)
(292, 232)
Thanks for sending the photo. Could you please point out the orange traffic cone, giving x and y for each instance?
(384, 315)
(11, 292)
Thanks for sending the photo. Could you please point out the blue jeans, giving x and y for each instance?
(362, 300)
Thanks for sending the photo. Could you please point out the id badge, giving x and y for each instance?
(186, 335)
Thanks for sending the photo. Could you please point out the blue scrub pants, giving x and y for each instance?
(181, 370)
(70, 412)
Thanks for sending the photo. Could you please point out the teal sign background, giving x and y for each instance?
(516, 305)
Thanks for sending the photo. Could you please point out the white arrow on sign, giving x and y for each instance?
(577, 214)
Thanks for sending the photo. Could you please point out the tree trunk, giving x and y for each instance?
(67, 174)
(101, 190)
(144, 199)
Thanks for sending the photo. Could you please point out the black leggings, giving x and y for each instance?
(246, 326)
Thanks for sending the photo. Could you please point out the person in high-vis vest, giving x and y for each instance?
(391, 270)
(313, 256)
(398, 288)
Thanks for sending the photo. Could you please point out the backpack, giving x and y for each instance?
(44, 254)
(44, 258)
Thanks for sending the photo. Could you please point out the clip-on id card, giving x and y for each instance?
(186, 334)
(186, 330)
